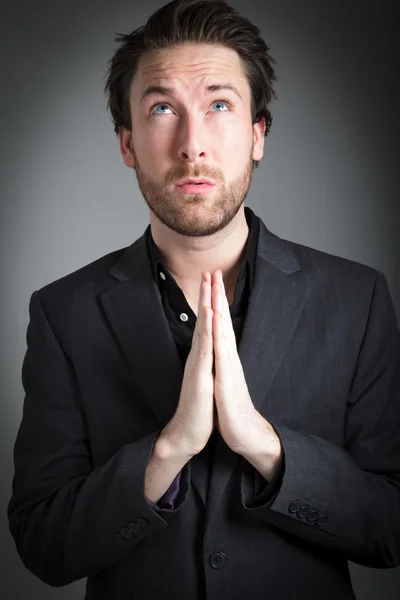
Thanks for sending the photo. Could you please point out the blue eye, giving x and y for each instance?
(220, 102)
(161, 113)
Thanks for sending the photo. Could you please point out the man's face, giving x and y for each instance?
(190, 131)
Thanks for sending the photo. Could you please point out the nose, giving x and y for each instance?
(191, 141)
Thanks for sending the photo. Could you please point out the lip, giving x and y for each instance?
(190, 188)
(195, 181)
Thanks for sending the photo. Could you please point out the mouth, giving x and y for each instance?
(195, 181)
(191, 187)
(195, 185)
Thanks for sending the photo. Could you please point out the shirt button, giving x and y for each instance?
(184, 317)
(163, 276)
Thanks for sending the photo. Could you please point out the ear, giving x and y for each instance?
(259, 138)
(125, 141)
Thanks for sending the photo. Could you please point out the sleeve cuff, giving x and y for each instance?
(174, 497)
(265, 491)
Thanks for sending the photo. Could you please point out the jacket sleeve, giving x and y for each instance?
(69, 519)
(347, 500)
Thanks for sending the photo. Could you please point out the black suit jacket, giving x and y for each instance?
(102, 376)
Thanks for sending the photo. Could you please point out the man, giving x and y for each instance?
(212, 412)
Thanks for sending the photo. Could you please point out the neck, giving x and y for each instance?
(187, 257)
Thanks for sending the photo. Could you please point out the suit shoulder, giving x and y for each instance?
(340, 284)
(324, 264)
(91, 278)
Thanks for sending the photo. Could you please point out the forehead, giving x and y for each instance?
(189, 64)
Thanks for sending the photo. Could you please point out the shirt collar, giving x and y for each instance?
(249, 259)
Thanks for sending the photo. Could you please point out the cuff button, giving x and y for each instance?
(312, 516)
(303, 511)
(294, 506)
(134, 527)
(322, 519)
(126, 532)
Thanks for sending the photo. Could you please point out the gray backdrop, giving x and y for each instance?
(328, 178)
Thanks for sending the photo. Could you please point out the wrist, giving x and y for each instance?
(266, 456)
(169, 447)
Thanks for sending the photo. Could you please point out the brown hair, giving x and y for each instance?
(195, 21)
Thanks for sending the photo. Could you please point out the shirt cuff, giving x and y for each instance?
(167, 500)
(265, 490)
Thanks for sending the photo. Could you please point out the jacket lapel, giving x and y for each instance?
(136, 315)
(274, 310)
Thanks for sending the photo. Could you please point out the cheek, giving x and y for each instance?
(235, 131)
(151, 144)
(234, 145)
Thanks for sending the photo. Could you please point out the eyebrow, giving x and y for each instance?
(158, 89)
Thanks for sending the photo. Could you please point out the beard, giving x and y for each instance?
(195, 215)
